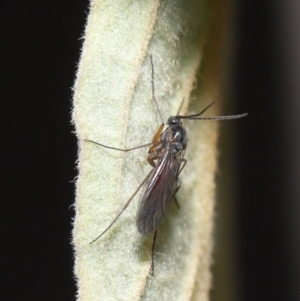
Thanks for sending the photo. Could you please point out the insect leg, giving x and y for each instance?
(152, 254)
(185, 161)
(119, 149)
(175, 200)
(125, 206)
(153, 94)
(180, 106)
(179, 183)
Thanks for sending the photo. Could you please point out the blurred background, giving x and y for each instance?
(40, 49)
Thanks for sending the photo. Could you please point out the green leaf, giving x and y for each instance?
(113, 106)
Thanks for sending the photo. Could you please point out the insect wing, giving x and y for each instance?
(159, 193)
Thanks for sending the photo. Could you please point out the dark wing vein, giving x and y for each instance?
(159, 194)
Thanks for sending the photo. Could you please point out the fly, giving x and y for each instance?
(166, 156)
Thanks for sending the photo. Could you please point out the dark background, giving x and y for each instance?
(39, 53)
(267, 82)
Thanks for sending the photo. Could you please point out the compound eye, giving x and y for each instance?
(173, 120)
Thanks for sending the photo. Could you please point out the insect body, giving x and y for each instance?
(166, 156)
(169, 151)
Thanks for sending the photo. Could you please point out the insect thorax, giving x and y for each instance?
(175, 136)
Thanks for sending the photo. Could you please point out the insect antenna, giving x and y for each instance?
(226, 117)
